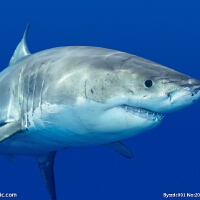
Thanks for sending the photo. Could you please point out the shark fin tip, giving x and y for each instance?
(22, 49)
(120, 148)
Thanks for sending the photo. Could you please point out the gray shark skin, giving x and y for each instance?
(82, 96)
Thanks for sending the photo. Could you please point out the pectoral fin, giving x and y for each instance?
(11, 158)
(46, 165)
(120, 148)
(8, 130)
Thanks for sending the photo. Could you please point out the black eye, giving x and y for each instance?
(148, 83)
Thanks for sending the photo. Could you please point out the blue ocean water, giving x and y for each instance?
(166, 159)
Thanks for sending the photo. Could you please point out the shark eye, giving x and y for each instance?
(148, 83)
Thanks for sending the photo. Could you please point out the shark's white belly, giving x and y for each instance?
(60, 127)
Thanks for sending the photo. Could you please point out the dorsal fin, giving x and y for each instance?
(21, 50)
(46, 165)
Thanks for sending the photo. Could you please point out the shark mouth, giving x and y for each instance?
(143, 113)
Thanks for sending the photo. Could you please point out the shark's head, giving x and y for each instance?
(120, 95)
(157, 88)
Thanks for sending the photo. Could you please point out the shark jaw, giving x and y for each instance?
(143, 113)
(189, 96)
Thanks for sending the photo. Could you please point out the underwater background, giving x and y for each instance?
(166, 159)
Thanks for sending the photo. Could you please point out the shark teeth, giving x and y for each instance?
(143, 113)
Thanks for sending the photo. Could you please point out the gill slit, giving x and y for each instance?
(19, 84)
(35, 87)
(27, 101)
(23, 96)
(40, 104)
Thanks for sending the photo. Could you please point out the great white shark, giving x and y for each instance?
(79, 96)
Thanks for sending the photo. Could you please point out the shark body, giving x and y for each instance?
(81, 96)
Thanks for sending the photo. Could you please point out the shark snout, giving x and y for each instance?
(195, 89)
(186, 93)
(193, 81)
(193, 86)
